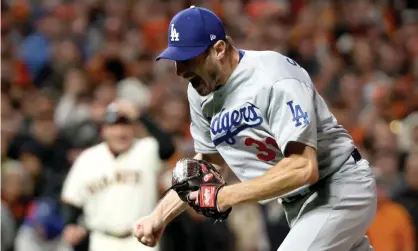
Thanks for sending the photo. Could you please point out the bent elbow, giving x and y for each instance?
(308, 170)
(311, 173)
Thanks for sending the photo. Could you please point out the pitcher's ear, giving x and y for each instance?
(220, 49)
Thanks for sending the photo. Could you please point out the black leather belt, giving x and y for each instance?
(356, 156)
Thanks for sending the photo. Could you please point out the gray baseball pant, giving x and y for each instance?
(337, 215)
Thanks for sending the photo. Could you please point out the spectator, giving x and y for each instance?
(35, 49)
(65, 56)
(43, 153)
(42, 228)
(86, 132)
(31, 104)
(16, 190)
(409, 196)
(392, 228)
(8, 228)
(387, 163)
(10, 118)
(72, 107)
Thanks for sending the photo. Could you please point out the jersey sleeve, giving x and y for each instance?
(74, 188)
(291, 113)
(199, 126)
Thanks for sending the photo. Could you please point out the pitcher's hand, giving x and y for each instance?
(148, 230)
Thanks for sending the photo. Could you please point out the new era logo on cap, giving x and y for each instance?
(191, 32)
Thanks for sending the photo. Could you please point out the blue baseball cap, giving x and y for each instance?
(45, 212)
(191, 32)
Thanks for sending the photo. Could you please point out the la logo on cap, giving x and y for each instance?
(174, 34)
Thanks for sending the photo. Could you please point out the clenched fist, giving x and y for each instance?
(148, 230)
(74, 234)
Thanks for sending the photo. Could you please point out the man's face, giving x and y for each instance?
(204, 71)
(119, 137)
(12, 186)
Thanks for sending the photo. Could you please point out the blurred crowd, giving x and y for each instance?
(64, 61)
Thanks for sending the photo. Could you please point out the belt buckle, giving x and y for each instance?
(297, 196)
(287, 199)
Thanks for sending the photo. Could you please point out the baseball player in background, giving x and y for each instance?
(112, 184)
(258, 113)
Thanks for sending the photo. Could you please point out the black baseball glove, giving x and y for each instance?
(192, 175)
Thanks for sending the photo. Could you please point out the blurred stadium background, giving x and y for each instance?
(63, 61)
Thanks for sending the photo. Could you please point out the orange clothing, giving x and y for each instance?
(155, 34)
(392, 229)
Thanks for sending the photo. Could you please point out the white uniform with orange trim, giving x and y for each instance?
(269, 101)
(114, 192)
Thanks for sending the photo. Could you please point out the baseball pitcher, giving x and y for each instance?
(258, 113)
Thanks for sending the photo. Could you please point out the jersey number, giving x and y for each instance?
(265, 152)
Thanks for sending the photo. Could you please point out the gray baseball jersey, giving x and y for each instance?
(268, 101)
